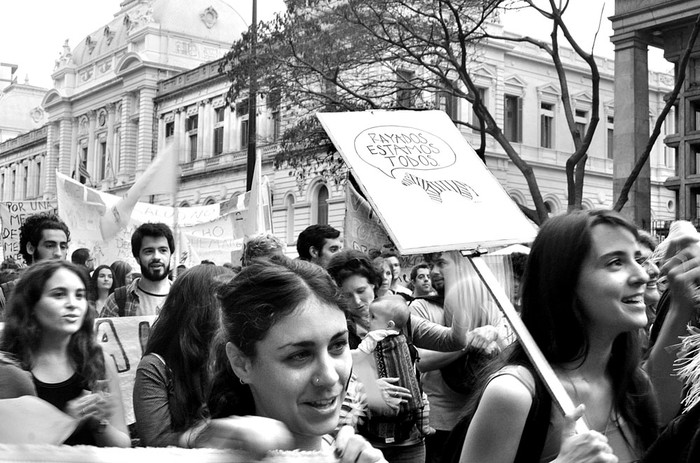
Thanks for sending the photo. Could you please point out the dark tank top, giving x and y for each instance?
(58, 395)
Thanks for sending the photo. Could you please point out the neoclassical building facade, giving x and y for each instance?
(664, 24)
(151, 77)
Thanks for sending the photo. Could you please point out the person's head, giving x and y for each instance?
(647, 246)
(102, 279)
(318, 243)
(420, 277)
(393, 259)
(49, 301)
(186, 324)
(82, 257)
(121, 273)
(439, 262)
(285, 340)
(258, 246)
(152, 245)
(573, 287)
(382, 267)
(43, 236)
(354, 274)
(388, 313)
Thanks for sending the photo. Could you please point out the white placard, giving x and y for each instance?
(430, 189)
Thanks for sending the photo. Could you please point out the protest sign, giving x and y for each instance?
(123, 339)
(12, 215)
(422, 160)
(419, 158)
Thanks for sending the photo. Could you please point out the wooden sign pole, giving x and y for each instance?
(544, 370)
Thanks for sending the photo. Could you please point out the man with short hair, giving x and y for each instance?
(394, 262)
(42, 236)
(318, 243)
(152, 245)
(420, 278)
(83, 258)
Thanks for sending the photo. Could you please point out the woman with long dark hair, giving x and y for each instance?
(122, 273)
(282, 353)
(583, 303)
(101, 286)
(171, 379)
(49, 329)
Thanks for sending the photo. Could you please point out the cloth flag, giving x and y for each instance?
(255, 219)
(159, 178)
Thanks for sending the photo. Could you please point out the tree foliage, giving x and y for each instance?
(352, 55)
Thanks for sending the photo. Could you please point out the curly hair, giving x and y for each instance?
(23, 334)
(152, 230)
(32, 229)
(349, 262)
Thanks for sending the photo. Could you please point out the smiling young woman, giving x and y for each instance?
(49, 329)
(583, 303)
(282, 354)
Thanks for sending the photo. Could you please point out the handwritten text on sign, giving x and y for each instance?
(389, 148)
(13, 214)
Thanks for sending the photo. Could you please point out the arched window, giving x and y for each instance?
(322, 205)
(209, 201)
(289, 209)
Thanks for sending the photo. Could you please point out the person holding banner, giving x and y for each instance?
(583, 303)
(50, 330)
(172, 377)
(282, 354)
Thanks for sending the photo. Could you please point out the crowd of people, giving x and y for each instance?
(344, 351)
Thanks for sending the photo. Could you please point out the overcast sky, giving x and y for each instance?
(32, 32)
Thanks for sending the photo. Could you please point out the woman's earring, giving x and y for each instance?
(241, 380)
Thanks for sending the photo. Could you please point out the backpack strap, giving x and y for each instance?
(120, 299)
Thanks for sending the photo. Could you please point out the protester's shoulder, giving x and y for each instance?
(152, 363)
(15, 382)
(110, 309)
(133, 286)
(518, 373)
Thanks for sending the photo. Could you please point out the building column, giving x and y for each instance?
(200, 130)
(127, 150)
(65, 136)
(92, 151)
(31, 177)
(180, 135)
(146, 129)
(208, 128)
(110, 174)
(632, 126)
(51, 160)
(227, 129)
